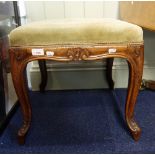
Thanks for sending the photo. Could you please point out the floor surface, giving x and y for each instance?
(83, 121)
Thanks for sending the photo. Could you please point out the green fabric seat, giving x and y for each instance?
(76, 31)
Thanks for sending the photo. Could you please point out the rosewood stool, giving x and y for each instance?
(77, 40)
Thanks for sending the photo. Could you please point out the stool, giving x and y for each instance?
(77, 40)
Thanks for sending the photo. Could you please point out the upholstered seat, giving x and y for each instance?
(76, 31)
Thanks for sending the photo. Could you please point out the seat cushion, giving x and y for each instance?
(77, 31)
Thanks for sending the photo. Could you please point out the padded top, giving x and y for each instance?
(76, 31)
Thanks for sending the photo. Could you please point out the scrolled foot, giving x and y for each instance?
(21, 140)
(135, 129)
(22, 132)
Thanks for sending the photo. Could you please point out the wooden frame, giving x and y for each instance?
(133, 53)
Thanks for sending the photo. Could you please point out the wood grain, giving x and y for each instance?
(133, 53)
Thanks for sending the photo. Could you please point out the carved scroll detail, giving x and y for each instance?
(77, 53)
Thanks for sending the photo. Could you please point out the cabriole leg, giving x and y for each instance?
(17, 71)
(135, 63)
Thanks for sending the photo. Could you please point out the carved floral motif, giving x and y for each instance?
(77, 53)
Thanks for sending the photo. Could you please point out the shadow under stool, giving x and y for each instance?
(77, 40)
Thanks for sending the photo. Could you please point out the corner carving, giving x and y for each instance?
(135, 50)
(20, 55)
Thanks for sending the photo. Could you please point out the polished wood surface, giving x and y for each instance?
(133, 53)
(141, 13)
